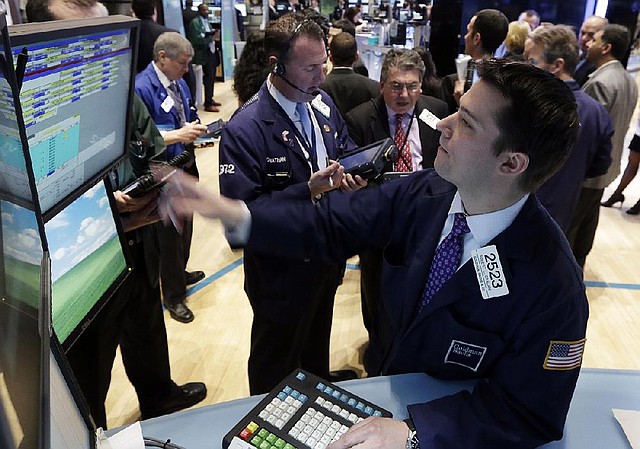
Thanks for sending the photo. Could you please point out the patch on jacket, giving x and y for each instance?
(564, 355)
(465, 354)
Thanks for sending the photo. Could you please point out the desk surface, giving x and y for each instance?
(590, 423)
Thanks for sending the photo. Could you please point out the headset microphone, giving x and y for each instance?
(313, 94)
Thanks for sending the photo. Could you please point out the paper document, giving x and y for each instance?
(630, 422)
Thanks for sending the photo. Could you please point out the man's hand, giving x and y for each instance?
(458, 90)
(352, 183)
(374, 433)
(139, 211)
(187, 134)
(184, 195)
(326, 179)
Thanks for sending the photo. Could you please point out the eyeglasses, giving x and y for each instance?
(399, 87)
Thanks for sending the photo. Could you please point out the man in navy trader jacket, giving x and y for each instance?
(518, 325)
(264, 154)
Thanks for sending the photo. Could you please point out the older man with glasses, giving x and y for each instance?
(403, 113)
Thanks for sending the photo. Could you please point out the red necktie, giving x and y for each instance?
(403, 161)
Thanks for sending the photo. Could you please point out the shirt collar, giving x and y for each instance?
(286, 104)
(485, 227)
(164, 80)
(391, 114)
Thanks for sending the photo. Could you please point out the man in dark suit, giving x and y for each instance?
(347, 88)
(479, 282)
(589, 28)
(145, 10)
(403, 113)
(485, 32)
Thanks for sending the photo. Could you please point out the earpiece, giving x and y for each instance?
(277, 69)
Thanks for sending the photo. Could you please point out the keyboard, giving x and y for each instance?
(303, 412)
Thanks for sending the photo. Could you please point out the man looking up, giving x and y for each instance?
(555, 49)
(522, 336)
(270, 149)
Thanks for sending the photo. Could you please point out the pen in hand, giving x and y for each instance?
(330, 176)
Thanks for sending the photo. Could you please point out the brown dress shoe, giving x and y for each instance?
(215, 103)
(212, 108)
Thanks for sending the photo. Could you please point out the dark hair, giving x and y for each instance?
(280, 34)
(619, 38)
(319, 19)
(38, 11)
(345, 26)
(351, 13)
(343, 50)
(558, 41)
(540, 120)
(493, 26)
(252, 67)
(431, 82)
(143, 9)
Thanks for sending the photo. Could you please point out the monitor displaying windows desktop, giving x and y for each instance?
(87, 261)
(74, 101)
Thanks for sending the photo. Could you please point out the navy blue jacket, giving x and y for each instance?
(504, 341)
(591, 157)
(260, 158)
(153, 94)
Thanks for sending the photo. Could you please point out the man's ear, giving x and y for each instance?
(558, 66)
(513, 163)
(606, 49)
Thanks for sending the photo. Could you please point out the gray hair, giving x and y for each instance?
(173, 44)
(403, 59)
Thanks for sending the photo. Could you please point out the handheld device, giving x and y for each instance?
(160, 174)
(214, 129)
(370, 161)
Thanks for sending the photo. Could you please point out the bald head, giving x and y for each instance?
(589, 28)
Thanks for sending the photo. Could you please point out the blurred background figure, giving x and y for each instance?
(630, 172)
(514, 42)
(431, 82)
(251, 69)
(531, 17)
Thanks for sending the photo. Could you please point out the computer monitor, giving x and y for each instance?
(88, 261)
(242, 7)
(76, 85)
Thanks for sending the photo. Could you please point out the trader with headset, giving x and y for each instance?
(271, 148)
(400, 112)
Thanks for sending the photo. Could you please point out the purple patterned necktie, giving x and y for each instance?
(446, 259)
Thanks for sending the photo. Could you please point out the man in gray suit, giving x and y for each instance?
(347, 88)
(613, 87)
(400, 112)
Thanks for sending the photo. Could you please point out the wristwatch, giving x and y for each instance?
(412, 437)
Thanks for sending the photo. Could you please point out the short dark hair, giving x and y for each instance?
(143, 9)
(350, 13)
(343, 50)
(493, 26)
(281, 34)
(558, 41)
(345, 26)
(541, 119)
(619, 38)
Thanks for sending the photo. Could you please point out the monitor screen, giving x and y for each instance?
(87, 261)
(74, 101)
(242, 7)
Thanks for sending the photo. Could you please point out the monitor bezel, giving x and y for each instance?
(31, 33)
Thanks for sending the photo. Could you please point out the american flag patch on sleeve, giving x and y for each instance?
(564, 355)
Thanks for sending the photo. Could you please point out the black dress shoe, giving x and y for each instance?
(180, 312)
(193, 276)
(635, 210)
(179, 398)
(342, 374)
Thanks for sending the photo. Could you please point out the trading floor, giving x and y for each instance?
(215, 346)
